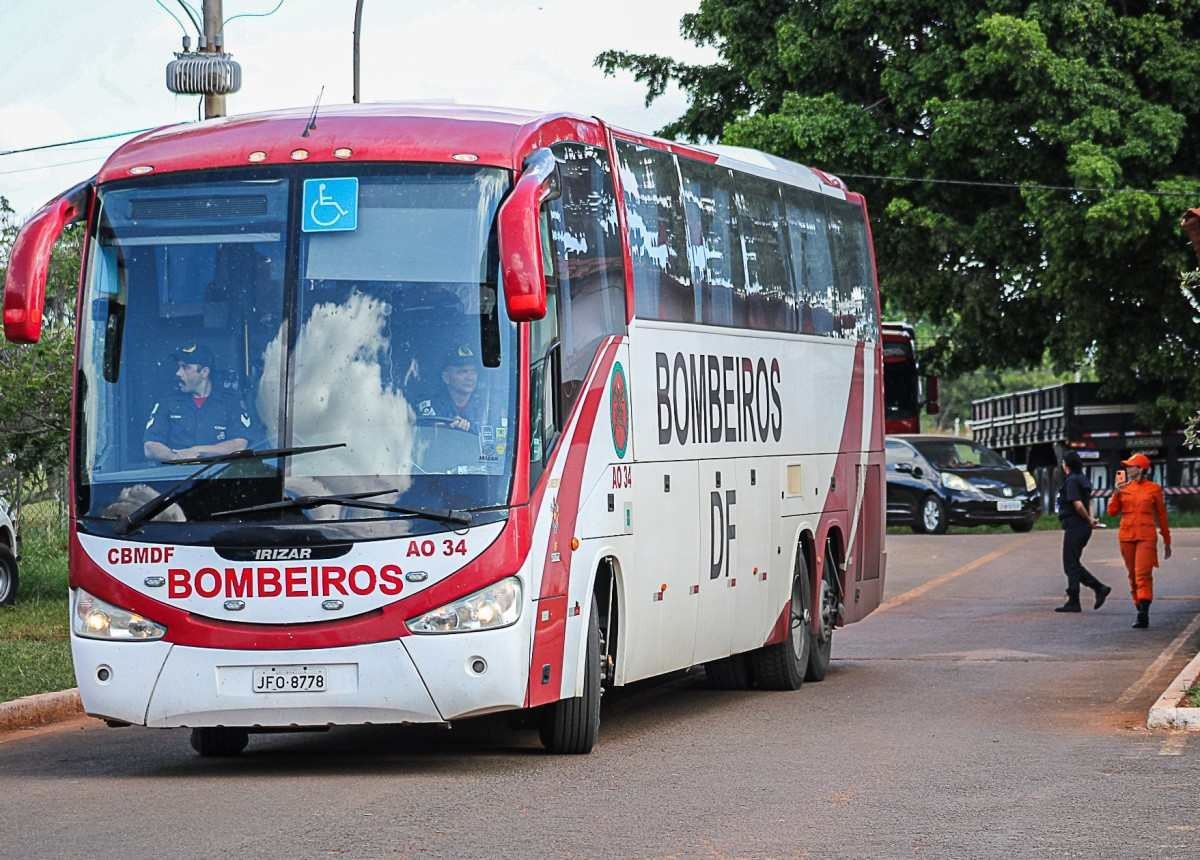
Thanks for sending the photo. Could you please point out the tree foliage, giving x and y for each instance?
(35, 380)
(1084, 113)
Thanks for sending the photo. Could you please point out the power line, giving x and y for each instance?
(251, 15)
(74, 142)
(56, 164)
(162, 6)
(1036, 186)
(190, 12)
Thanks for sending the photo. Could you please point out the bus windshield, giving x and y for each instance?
(218, 316)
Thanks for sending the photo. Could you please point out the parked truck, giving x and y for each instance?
(1035, 428)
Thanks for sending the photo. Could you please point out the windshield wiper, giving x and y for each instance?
(162, 501)
(353, 500)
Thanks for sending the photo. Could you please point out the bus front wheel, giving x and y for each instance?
(219, 741)
(570, 726)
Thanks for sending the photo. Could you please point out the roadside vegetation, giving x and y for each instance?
(1191, 699)
(35, 654)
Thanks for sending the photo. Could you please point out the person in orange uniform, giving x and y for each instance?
(1139, 501)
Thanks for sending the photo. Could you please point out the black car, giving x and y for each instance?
(934, 482)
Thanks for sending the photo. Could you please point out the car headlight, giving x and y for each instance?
(1030, 483)
(95, 619)
(957, 482)
(496, 606)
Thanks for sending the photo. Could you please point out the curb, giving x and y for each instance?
(1166, 713)
(40, 709)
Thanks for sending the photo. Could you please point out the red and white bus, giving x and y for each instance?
(418, 413)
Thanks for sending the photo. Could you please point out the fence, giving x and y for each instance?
(38, 500)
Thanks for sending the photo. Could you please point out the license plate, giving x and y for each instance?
(291, 679)
(1008, 505)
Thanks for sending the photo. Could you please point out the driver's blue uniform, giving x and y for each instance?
(177, 422)
(442, 405)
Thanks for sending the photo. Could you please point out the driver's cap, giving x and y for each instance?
(460, 356)
(194, 353)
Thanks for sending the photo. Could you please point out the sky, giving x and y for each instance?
(82, 68)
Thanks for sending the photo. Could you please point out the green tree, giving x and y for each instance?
(35, 380)
(1090, 108)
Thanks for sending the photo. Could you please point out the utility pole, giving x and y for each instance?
(357, 31)
(214, 105)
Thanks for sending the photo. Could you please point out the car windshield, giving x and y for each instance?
(298, 307)
(960, 454)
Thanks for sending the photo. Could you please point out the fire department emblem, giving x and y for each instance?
(618, 395)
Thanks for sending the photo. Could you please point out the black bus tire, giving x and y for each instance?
(571, 726)
(783, 666)
(821, 651)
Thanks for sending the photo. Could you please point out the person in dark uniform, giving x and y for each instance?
(198, 420)
(459, 402)
(1077, 522)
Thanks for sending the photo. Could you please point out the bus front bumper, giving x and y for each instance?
(416, 679)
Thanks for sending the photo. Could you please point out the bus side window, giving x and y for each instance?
(662, 282)
(812, 266)
(714, 242)
(589, 263)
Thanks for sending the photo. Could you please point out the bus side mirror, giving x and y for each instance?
(29, 264)
(521, 240)
(932, 407)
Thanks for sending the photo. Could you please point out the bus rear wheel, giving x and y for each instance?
(783, 666)
(219, 741)
(570, 726)
(827, 612)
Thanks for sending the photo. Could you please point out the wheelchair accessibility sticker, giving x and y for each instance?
(330, 204)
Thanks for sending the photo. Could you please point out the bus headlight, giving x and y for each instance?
(496, 606)
(95, 619)
(1030, 483)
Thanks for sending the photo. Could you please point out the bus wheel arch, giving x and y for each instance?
(606, 590)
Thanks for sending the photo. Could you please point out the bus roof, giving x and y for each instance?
(412, 131)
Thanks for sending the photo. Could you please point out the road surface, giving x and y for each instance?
(964, 718)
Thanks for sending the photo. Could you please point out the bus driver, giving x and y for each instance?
(197, 420)
(458, 402)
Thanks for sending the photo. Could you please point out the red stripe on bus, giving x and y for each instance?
(549, 637)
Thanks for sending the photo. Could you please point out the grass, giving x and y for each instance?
(1191, 699)
(35, 652)
(1047, 523)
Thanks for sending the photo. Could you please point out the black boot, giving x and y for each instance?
(1102, 593)
(1143, 617)
(1072, 604)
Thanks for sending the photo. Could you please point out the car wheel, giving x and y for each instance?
(8, 576)
(1022, 526)
(932, 516)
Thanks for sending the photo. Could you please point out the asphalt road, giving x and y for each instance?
(964, 718)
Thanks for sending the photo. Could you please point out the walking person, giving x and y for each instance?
(1077, 522)
(1139, 501)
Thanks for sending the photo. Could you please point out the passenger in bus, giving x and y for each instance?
(198, 420)
(459, 401)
